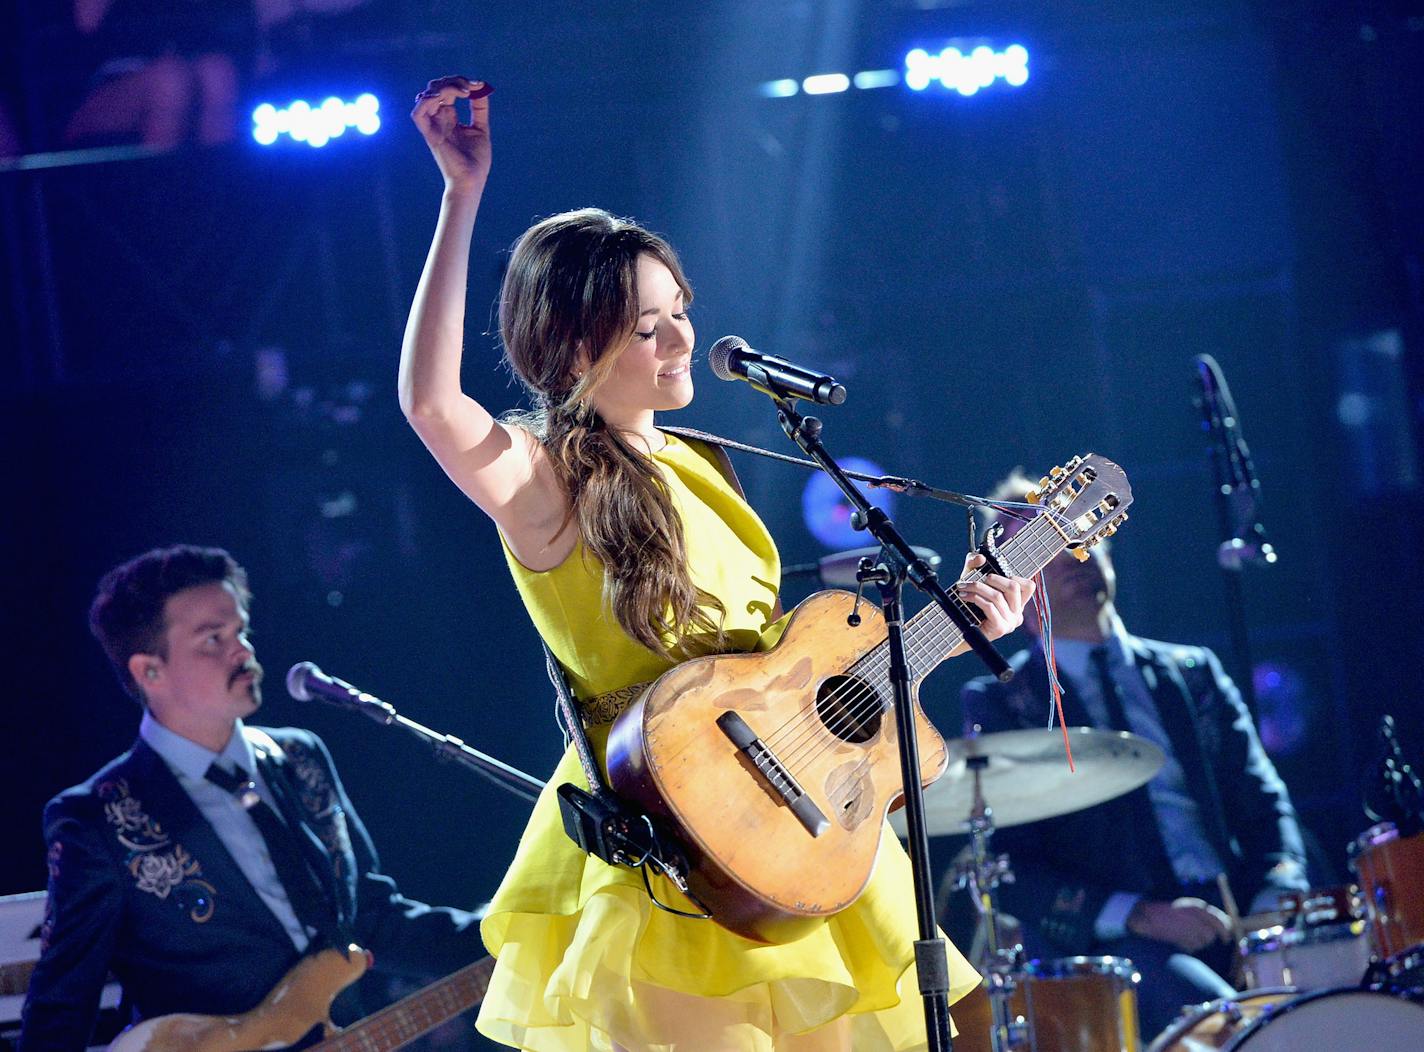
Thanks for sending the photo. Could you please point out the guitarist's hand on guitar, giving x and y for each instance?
(1000, 599)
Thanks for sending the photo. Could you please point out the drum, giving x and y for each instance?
(1319, 943)
(1336, 1021)
(1074, 1004)
(1212, 1025)
(1280, 1021)
(1391, 872)
(1306, 958)
(1081, 1004)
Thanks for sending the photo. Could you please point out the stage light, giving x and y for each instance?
(825, 84)
(780, 89)
(827, 513)
(875, 78)
(316, 126)
(966, 74)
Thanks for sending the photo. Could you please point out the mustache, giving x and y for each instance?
(251, 666)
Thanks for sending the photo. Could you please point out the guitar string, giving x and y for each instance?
(861, 698)
(393, 1022)
(865, 700)
(868, 700)
(874, 663)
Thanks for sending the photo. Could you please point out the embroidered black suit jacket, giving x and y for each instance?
(1066, 868)
(141, 885)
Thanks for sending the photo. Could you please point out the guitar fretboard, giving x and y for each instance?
(931, 636)
(401, 1023)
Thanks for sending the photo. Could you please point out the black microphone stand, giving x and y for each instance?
(1243, 537)
(447, 747)
(898, 562)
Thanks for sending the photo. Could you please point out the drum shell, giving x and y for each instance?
(1312, 958)
(1391, 872)
(1071, 1004)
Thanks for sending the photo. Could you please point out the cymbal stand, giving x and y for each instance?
(982, 875)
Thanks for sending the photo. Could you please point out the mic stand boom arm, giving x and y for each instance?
(447, 747)
(805, 431)
(899, 561)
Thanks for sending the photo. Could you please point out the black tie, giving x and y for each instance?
(303, 891)
(1108, 688)
(1139, 801)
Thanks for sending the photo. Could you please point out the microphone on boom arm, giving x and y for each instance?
(1235, 474)
(732, 359)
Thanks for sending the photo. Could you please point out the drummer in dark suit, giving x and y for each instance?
(203, 863)
(1137, 877)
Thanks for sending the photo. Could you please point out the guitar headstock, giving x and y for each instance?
(1088, 496)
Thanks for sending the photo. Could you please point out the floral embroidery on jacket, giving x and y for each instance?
(158, 866)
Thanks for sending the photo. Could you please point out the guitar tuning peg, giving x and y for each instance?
(1045, 482)
(1081, 554)
(1033, 496)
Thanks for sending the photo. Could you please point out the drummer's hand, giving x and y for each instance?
(461, 150)
(1188, 924)
(1001, 599)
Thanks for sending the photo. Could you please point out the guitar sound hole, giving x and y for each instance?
(850, 708)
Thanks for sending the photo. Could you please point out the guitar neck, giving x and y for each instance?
(931, 636)
(401, 1023)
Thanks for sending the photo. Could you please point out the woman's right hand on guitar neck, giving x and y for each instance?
(462, 150)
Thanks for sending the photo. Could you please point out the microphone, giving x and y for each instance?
(838, 569)
(307, 682)
(732, 359)
(1236, 475)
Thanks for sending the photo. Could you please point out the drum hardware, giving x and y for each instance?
(1068, 1005)
(982, 875)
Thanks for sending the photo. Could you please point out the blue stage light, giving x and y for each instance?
(827, 513)
(316, 125)
(966, 74)
(780, 89)
(825, 84)
(875, 78)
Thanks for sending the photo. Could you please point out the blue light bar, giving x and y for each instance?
(825, 84)
(967, 73)
(316, 125)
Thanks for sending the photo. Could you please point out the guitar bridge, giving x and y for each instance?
(774, 771)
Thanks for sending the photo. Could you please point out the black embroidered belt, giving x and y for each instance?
(604, 708)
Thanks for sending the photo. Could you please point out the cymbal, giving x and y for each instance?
(1027, 779)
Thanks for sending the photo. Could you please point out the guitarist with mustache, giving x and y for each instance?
(201, 865)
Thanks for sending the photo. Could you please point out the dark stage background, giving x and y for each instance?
(201, 346)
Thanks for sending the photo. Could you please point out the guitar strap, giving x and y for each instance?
(572, 725)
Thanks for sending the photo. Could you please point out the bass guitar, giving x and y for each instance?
(302, 1002)
(777, 769)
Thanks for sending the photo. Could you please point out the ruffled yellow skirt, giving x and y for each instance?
(586, 961)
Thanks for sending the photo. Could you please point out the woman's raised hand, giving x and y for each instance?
(461, 150)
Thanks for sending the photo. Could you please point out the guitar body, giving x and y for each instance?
(301, 1001)
(755, 859)
(777, 769)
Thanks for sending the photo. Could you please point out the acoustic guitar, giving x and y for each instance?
(302, 1001)
(777, 769)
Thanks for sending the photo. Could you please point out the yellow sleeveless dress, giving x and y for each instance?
(585, 960)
